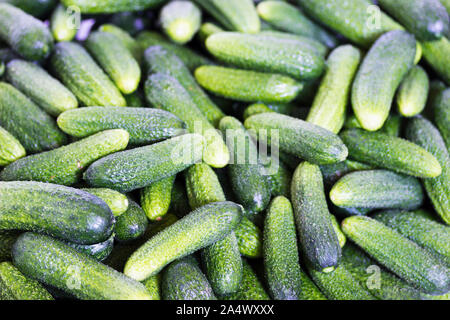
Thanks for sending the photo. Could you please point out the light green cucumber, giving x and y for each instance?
(131, 224)
(250, 238)
(207, 29)
(10, 148)
(153, 285)
(127, 40)
(156, 198)
(112, 6)
(116, 201)
(340, 235)
(413, 92)
(180, 20)
(63, 24)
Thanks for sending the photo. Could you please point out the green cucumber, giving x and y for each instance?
(112, 6)
(246, 173)
(10, 148)
(35, 8)
(426, 19)
(207, 29)
(65, 165)
(153, 285)
(142, 166)
(80, 74)
(377, 189)
(425, 134)
(59, 211)
(330, 104)
(382, 70)
(62, 24)
(99, 251)
(237, 15)
(58, 265)
(144, 125)
(27, 35)
(117, 202)
(340, 235)
(34, 128)
(281, 260)
(391, 127)
(160, 60)
(156, 198)
(393, 153)
(442, 115)
(166, 92)
(201, 228)
(7, 239)
(297, 137)
(250, 238)
(437, 55)
(15, 286)
(309, 289)
(413, 92)
(280, 180)
(247, 86)
(289, 57)
(180, 20)
(127, 40)
(402, 256)
(131, 224)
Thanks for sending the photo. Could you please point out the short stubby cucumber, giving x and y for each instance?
(112, 6)
(180, 20)
(131, 224)
(62, 25)
(413, 92)
(10, 148)
(156, 198)
(116, 201)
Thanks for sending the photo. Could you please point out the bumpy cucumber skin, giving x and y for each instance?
(317, 237)
(248, 86)
(247, 176)
(116, 201)
(393, 153)
(273, 55)
(54, 263)
(330, 104)
(142, 166)
(442, 115)
(61, 24)
(183, 280)
(15, 286)
(131, 224)
(437, 54)
(160, 60)
(166, 92)
(376, 189)
(10, 148)
(34, 128)
(405, 258)
(238, 15)
(280, 181)
(201, 228)
(426, 19)
(180, 20)
(112, 6)
(156, 198)
(249, 238)
(59, 211)
(115, 59)
(127, 40)
(153, 285)
(302, 139)
(7, 239)
(423, 133)
(80, 74)
(281, 260)
(413, 92)
(39, 86)
(65, 165)
(27, 35)
(391, 127)
(309, 289)
(99, 251)
(380, 74)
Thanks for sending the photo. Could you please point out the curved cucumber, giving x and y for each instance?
(116, 201)
(413, 92)
(180, 20)
(10, 148)
(131, 224)
(156, 198)
(111, 6)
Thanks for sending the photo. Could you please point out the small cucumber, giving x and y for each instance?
(142, 166)
(442, 115)
(131, 224)
(65, 165)
(381, 72)
(153, 285)
(413, 92)
(39, 86)
(58, 265)
(10, 148)
(112, 6)
(437, 54)
(127, 40)
(62, 212)
(180, 20)
(156, 198)
(402, 256)
(99, 251)
(116, 201)
(377, 189)
(248, 86)
(80, 73)
(62, 24)
(384, 151)
(250, 238)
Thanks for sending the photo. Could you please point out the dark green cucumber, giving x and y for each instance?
(179, 203)
(425, 134)
(437, 55)
(397, 154)
(144, 125)
(442, 115)
(160, 60)
(80, 73)
(115, 58)
(99, 251)
(142, 166)
(39, 86)
(201, 228)
(377, 189)
(426, 19)
(62, 24)
(183, 280)
(27, 35)
(250, 238)
(111, 6)
(237, 15)
(318, 240)
(246, 173)
(156, 198)
(59, 211)
(131, 224)
(7, 239)
(166, 92)
(35, 8)
(302, 139)
(58, 265)
(402, 256)
(381, 72)
(281, 260)
(288, 18)
(413, 92)
(15, 286)
(10, 148)
(358, 20)
(279, 179)
(153, 285)
(34, 128)
(248, 86)
(330, 104)
(116, 201)
(180, 20)
(127, 40)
